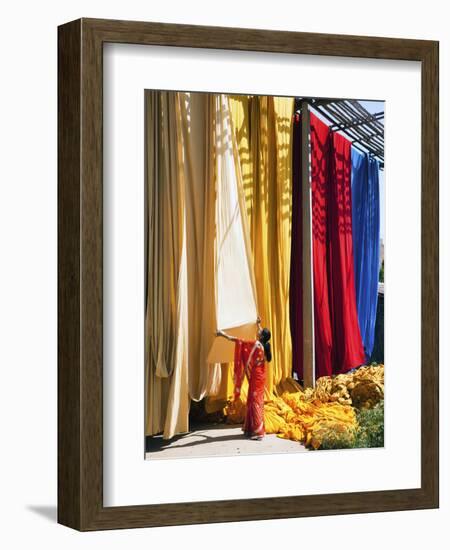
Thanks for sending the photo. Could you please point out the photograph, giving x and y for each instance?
(202, 209)
(264, 274)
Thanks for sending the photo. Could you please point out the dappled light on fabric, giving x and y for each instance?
(263, 130)
(198, 142)
(224, 245)
(235, 285)
(235, 288)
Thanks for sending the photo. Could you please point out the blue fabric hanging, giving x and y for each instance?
(366, 242)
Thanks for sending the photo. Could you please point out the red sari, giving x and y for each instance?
(249, 359)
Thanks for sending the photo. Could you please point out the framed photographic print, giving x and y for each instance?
(248, 274)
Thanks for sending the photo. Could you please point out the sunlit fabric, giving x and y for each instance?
(321, 188)
(198, 146)
(320, 163)
(240, 118)
(235, 284)
(165, 316)
(235, 288)
(348, 351)
(263, 130)
(366, 242)
(320, 184)
(219, 203)
(338, 344)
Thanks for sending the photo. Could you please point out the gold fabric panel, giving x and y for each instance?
(263, 129)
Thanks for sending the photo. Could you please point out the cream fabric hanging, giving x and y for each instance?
(197, 117)
(167, 402)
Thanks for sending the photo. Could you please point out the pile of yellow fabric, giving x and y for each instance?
(362, 388)
(291, 416)
(328, 410)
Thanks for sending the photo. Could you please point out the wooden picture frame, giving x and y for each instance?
(80, 271)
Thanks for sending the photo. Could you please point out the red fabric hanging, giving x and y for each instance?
(338, 343)
(320, 153)
(320, 160)
(348, 350)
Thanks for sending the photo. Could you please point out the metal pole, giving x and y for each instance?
(309, 374)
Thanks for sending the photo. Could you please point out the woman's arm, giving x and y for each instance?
(258, 322)
(225, 335)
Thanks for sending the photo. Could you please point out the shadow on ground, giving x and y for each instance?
(216, 440)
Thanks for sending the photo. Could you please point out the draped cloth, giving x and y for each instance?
(198, 192)
(263, 129)
(366, 242)
(321, 184)
(348, 351)
(338, 344)
(235, 288)
(235, 295)
(197, 115)
(323, 337)
(167, 402)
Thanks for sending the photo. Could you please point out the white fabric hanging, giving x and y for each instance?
(236, 308)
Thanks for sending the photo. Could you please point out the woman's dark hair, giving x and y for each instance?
(264, 337)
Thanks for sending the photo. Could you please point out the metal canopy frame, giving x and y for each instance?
(364, 129)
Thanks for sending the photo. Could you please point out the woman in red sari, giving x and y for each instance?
(249, 358)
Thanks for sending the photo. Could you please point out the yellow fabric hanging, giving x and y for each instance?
(263, 130)
(167, 403)
(235, 282)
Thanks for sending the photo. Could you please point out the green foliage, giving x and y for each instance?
(371, 427)
(370, 431)
(334, 440)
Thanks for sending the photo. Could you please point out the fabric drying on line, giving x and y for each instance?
(224, 244)
(262, 132)
(348, 351)
(366, 242)
(338, 344)
(166, 375)
(235, 290)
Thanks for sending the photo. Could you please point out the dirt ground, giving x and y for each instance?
(217, 440)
